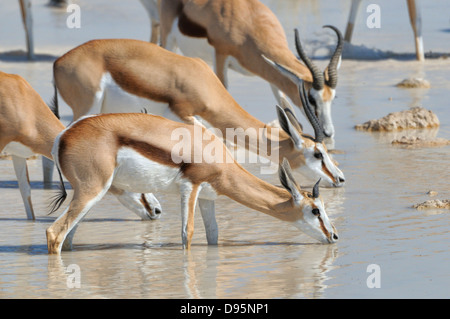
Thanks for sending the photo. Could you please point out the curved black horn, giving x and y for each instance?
(315, 191)
(318, 79)
(318, 130)
(334, 61)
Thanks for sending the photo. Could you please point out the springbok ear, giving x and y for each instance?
(315, 192)
(288, 181)
(290, 74)
(290, 128)
(290, 112)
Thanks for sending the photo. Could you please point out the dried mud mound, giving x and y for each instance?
(414, 141)
(414, 83)
(433, 204)
(415, 118)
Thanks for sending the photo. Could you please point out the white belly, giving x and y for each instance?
(138, 174)
(113, 99)
(18, 149)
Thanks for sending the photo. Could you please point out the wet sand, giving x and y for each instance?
(257, 257)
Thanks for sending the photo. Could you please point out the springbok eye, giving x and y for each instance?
(316, 212)
(318, 155)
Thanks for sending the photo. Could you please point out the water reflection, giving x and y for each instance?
(225, 271)
(388, 137)
(231, 271)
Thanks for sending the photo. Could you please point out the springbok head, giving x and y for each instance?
(322, 90)
(317, 162)
(309, 210)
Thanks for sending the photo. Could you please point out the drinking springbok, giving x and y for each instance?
(122, 75)
(135, 152)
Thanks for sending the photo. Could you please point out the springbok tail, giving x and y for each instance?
(53, 105)
(59, 197)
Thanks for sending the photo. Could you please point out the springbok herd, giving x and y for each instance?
(114, 146)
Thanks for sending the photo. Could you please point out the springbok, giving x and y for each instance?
(127, 76)
(246, 30)
(28, 126)
(134, 151)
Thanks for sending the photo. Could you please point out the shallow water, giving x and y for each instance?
(120, 256)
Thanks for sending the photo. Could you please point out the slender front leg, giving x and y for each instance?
(416, 23)
(47, 171)
(221, 67)
(154, 37)
(27, 18)
(152, 9)
(168, 15)
(207, 208)
(189, 194)
(21, 170)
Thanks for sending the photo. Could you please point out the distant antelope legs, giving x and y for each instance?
(414, 16)
(207, 208)
(152, 9)
(351, 20)
(21, 170)
(416, 23)
(220, 67)
(27, 18)
(47, 172)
